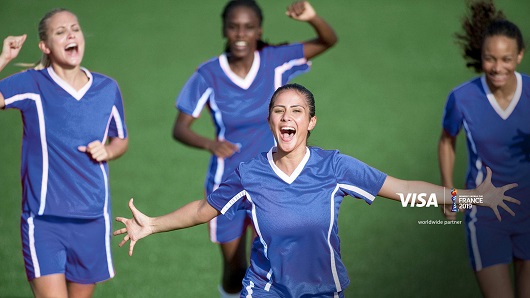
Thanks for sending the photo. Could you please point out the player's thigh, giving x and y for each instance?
(53, 285)
(495, 281)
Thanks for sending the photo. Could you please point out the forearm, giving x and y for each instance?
(446, 159)
(325, 33)
(191, 214)
(188, 137)
(116, 148)
(3, 62)
(409, 191)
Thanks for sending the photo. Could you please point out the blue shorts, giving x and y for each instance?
(491, 242)
(223, 230)
(77, 248)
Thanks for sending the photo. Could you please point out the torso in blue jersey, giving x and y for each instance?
(297, 251)
(496, 138)
(239, 107)
(57, 178)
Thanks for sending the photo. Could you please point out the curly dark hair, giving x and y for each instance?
(484, 20)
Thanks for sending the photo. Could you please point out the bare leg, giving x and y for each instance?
(495, 281)
(522, 278)
(76, 290)
(53, 285)
(234, 264)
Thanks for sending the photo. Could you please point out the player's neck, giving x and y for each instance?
(75, 77)
(287, 162)
(504, 94)
(241, 66)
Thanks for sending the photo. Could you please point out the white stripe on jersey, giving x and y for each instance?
(234, 200)
(119, 124)
(473, 238)
(44, 144)
(278, 71)
(358, 191)
(331, 251)
(202, 101)
(33, 253)
(478, 162)
(107, 222)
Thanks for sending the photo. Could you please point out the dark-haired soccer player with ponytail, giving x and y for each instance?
(494, 111)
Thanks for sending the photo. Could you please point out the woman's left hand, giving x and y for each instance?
(301, 11)
(494, 197)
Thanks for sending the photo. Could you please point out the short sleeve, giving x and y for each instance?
(194, 95)
(17, 87)
(117, 127)
(452, 118)
(358, 179)
(230, 196)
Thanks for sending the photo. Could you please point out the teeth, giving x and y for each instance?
(288, 129)
(240, 43)
(71, 45)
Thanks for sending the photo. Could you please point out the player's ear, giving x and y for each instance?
(312, 123)
(44, 48)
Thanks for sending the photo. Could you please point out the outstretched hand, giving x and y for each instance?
(494, 197)
(301, 11)
(12, 46)
(136, 228)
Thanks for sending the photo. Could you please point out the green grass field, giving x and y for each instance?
(380, 95)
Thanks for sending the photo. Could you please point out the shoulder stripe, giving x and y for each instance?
(233, 201)
(278, 71)
(358, 190)
(202, 101)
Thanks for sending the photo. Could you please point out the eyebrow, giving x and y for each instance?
(293, 106)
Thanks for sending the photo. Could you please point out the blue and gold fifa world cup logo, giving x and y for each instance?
(453, 198)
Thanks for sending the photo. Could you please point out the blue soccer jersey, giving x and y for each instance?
(57, 178)
(239, 107)
(297, 251)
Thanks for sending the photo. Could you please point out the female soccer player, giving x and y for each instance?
(493, 109)
(292, 194)
(69, 114)
(236, 87)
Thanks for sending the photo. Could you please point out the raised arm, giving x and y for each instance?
(492, 196)
(10, 49)
(141, 225)
(326, 37)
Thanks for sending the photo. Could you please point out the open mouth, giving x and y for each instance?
(71, 48)
(287, 133)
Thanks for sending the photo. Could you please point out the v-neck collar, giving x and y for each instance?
(288, 179)
(504, 114)
(249, 79)
(66, 87)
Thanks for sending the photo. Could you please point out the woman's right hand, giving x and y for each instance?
(11, 47)
(136, 228)
(223, 149)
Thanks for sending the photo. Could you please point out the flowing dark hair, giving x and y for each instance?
(482, 21)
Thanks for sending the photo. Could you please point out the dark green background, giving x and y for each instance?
(380, 95)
